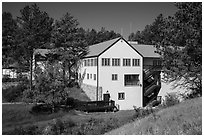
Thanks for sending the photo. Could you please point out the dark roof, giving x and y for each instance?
(144, 50)
(148, 51)
(96, 49)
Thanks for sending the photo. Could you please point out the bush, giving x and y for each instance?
(170, 100)
(142, 112)
(14, 93)
(6, 78)
(28, 130)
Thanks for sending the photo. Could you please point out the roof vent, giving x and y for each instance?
(132, 42)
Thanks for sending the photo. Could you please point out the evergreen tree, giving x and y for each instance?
(70, 44)
(9, 28)
(181, 46)
(34, 31)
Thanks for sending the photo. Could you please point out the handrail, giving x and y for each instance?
(153, 83)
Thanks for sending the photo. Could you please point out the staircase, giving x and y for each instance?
(152, 84)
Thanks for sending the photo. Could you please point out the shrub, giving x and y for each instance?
(28, 130)
(142, 112)
(14, 93)
(42, 108)
(170, 100)
(58, 127)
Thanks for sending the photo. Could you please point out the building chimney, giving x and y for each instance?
(132, 42)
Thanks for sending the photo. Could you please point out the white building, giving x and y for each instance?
(118, 66)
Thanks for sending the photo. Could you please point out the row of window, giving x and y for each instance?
(129, 79)
(90, 62)
(116, 62)
(89, 76)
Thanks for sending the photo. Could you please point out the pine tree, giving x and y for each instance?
(35, 27)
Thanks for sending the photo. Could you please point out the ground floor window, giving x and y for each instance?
(121, 96)
(87, 75)
(94, 76)
(131, 79)
(114, 77)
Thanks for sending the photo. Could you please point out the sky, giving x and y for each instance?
(121, 17)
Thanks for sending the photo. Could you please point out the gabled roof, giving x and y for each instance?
(148, 51)
(143, 50)
(96, 49)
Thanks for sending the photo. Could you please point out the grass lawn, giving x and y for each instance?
(182, 119)
(14, 115)
(18, 115)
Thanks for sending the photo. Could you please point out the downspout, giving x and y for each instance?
(97, 79)
(142, 83)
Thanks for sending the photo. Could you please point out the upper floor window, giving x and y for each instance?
(115, 62)
(157, 62)
(131, 79)
(135, 62)
(92, 62)
(95, 62)
(88, 62)
(105, 61)
(126, 62)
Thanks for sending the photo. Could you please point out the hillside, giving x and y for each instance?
(182, 119)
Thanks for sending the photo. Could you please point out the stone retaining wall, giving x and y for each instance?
(91, 91)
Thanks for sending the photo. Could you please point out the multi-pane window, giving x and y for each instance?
(90, 76)
(115, 62)
(85, 62)
(121, 96)
(126, 62)
(95, 62)
(135, 62)
(87, 75)
(157, 62)
(91, 62)
(105, 61)
(131, 79)
(88, 62)
(114, 76)
(94, 76)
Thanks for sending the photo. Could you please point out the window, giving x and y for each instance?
(131, 80)
(85, 62)
(88, 62)
(87, 75)
(126, 62)
(115, 62)
(135, 62)
(95, 62)
(94, 76)
(92, 62)
(114, 76)
(121, 96)
(157, 62)
(105, 62)
(90, 76)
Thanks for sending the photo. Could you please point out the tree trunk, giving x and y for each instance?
(31, 71)
(64, 74)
